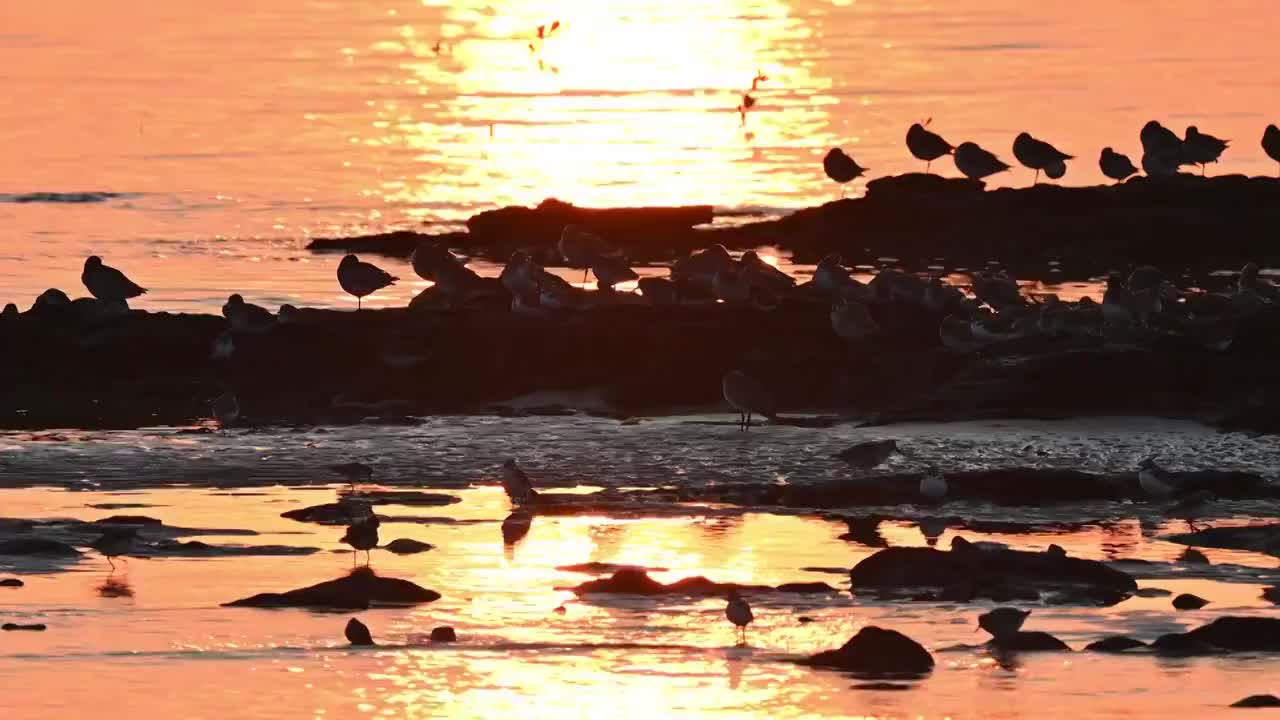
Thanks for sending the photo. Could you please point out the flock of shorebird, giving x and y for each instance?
(1163, 153)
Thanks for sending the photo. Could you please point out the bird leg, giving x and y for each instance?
(1037, 180)
(748, 421)
(359, 300)
(927, 164)
(113, 565)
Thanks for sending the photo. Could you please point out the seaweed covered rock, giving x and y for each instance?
(1225, 634)
(357, 591)
(1114, 644)
(876, 651)
(1028, 641)
(968, 572)
(1255, 538)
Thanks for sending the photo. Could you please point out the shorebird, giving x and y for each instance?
(361, 278)
(759, 273)
(288, 315)
(580, 248)
(659, 291)
(51, 298)
(1003, 621)
(1117, 302)
(114, 542)
(226, 409)
(748, 396)
(975, 163)
(926, 145)
(1271, 143)
(832, 279)
(522, 276)
(933, 485)
(448, 271)
(852, 321)
(246, 317)
(353, 473)
(731, 287)
(610, 271)
(1250, 283)
(1201, 149)
(224, 346)
(867, 455)
(1162, 151)
(1154, 480)
(999, 291)
(517, 484)
(739, 613)
(107, 283)
(1115, 165)
(699, 269)
(1039, 155)
(841, 168)
(357, 633)
(362, 535)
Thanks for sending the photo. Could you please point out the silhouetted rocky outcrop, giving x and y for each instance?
(358, 591)
(876, 651)
(632, 581)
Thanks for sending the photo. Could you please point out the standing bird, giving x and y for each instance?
(739, 613)
(976, 163)
(867, 455)
(1003, 621)
(107, 283)
(580, 249)
(841, 168)
(1115, 165)
(610, 271)
(246, 317)
(1039, 155)
(362, 535)
(517, 484)
(926, 145)
(1154, 480)
(114, 542)
(226, 409)
(852, 321)
(832, 278)
(353, 473)
(1202, 149)
(748, 396)
(933, 485)
(361, 278)
(1271, 143)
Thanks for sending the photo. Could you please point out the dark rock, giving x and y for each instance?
(881, 686)
(443, 634)
(407, 546)
(804, 620)
(1272, 594)
(11, 582)
(37, 546)
(357, 591)
(876, 651)
(358, 633)
(408, 497)
(970, 572)
(1152, 592)
(1256, 538)
(128, 520)
(632, 229)
(9, 627)
(1257, 701)
(400, 243)
(1114, 644)
(636, 581)
(196, 548)
(603, 568)
(1029, 642)
(1241, 634)
(339, 513)
(1183, 644)
(515, 526)
(1187, 601)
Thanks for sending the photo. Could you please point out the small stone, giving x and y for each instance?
(1056, 550)
(1257, 701)
(11, 582)
(407, 546)
(358, 633)
(36, 627)
(1187, 601)
(1272, 594)
(443, 634)
(805, 619)
(1152, 592)
(1115, 643)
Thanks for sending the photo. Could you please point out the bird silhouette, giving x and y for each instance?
(926, 145)
(841, 168)
(1115, 165)
(976, 163)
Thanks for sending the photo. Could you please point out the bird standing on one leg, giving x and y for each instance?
(739, 613)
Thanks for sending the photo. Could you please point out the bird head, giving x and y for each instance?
(235, 299)
(91, 262)
(348, 260)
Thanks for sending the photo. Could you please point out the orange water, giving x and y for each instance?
(245, 127)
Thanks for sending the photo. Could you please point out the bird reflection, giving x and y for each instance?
(115, 587)
(734, 665)
(516, 526)
(866, 531)
(932, 528)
